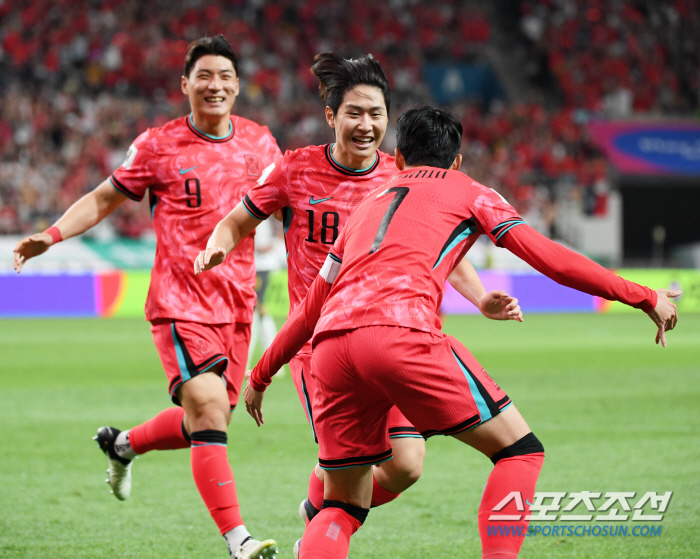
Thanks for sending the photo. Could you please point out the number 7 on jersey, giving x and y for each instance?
(401, 192)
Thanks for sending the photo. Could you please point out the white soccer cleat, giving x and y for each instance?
(119, 468)
(253, 549)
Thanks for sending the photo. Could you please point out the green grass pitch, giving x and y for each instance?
(614, 412)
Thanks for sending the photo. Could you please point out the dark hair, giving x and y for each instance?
(428, 136)
(336, 75)
(209, 45)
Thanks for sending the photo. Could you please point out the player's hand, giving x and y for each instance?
(208, 258)
(30, 247)
(498, 305)
(253, 401)
(665, 314)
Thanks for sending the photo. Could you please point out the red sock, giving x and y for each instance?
(328, 535)
(315, 490)
(214, 479)
(516, 474)
(162, 432)
(315, 496)
(381, 496)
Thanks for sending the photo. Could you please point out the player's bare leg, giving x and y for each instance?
(390, 478)
(517, 456)
(403, 470)
(347, 498)
(207, 413)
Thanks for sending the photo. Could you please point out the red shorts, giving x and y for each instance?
(189, 348)
(300, 365)
(359, 374)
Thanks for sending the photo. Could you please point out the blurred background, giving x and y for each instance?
(584, 114)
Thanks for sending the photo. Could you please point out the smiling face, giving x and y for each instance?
(360, 125)
(212, 88)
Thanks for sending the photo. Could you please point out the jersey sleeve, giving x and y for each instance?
(574, 270)
(338, 248)
(269, 194)
(297, 330)
(493, 214)
(138, 171)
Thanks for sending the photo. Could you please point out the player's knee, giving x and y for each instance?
(206, 413)
(408, 463)
(529, 444)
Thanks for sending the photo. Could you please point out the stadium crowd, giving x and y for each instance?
(80, 80)
(621, 57)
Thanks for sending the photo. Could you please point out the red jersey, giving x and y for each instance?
(317, 196)
(389, 265)
(193, 180)
(391, 274)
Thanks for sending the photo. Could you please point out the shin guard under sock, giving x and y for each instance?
(328, 534)
(214, 479)
(513, 477)
(163, 432)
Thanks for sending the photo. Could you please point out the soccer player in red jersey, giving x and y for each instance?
(194, 168)
(317, 188)
(372, 312)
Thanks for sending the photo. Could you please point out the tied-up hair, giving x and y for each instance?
(336, 75)
(218, 46)
(428, 136)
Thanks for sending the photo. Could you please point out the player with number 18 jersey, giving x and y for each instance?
(317, 195)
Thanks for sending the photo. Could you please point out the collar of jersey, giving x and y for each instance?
(346, 170)
(208, 137)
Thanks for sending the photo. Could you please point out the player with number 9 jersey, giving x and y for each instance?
(192, 169)
(191, 179)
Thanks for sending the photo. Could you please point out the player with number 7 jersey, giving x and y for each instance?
(372, 316)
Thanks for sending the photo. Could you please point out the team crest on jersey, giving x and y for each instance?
(253, 165)
(130, 155)
(203, 346)
(488, 377)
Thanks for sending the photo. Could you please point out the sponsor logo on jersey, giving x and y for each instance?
(253, 165)
(130, 155)
(313, 202)
(203, 346)
(183, 171)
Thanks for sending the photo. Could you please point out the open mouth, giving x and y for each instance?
(214, 99)
(363, 142)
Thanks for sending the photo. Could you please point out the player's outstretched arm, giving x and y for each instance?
(237, 225)
(81, 216)
(297, 330)
(496, 305)
(578, 272)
